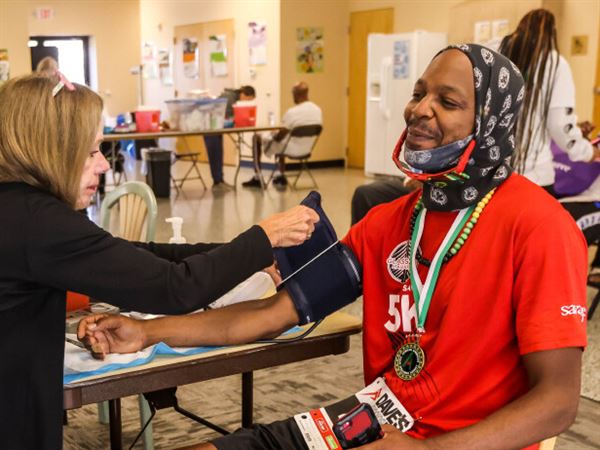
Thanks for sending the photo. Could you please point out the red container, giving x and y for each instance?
(147, 121)
(76, 301)
(244, 115)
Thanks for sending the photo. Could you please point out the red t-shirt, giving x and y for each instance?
(518, 285)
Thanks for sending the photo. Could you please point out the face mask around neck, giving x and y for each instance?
(436, 159)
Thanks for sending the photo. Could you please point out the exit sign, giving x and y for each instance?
(44, 13)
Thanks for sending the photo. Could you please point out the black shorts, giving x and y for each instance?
(281, 435)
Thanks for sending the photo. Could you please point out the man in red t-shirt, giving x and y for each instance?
(474, 286)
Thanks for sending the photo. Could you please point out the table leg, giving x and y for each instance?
(114, 414)
(257, 168)
(238, 146)
(247, 398)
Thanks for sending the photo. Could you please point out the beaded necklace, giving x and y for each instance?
(462, 237)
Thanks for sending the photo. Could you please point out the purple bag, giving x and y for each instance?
(572, 177)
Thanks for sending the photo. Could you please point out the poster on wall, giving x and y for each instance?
(401, 61)
(217, 51)
(4, 65)
(499, 28)
(482, 31)
(309, 49)
(149, 61)
(165, 67)
(191, 66)
(257, 43)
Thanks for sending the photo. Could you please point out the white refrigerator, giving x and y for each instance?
(395, 62)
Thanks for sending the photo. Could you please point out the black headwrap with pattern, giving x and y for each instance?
(499, 91)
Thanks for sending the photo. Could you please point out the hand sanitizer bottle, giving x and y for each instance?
(176, 223)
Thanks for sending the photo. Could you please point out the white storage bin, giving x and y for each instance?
(197, 115)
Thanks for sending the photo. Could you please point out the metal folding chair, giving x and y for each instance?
(300, 135)
(192, 157)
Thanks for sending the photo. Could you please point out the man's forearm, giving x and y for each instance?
(529, 419)
(546, 410)
(236, 324)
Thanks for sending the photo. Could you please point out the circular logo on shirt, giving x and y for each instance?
(398, 263)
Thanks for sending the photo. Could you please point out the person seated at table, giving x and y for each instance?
(214, 143)
(486, 351)
(50, 162)
(369, 195)
(304, 112)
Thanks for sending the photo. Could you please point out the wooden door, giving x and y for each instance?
(204, 78)
(362, 24)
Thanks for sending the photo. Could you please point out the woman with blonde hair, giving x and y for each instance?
(50, 132)
(47, 66)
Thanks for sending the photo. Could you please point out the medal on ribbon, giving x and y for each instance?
(410, 357)
(409, 360)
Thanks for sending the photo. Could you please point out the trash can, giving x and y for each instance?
(158, 174)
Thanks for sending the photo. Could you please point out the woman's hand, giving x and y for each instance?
(109, 333)
(291, 227)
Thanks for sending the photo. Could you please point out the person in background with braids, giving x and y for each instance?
(548, 114)
(549, 104)
(474, 286)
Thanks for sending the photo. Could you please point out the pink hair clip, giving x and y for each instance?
(62, 83)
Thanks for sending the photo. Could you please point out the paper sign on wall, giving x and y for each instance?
(482, 32)
(4, 65)
(217, 50)
(190, 57)
(309, 50)
(499, 28)
(257, 43)
(165, 67)
(149, 60)
(401, 60)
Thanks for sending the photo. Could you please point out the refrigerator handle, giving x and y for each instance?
(386, 65)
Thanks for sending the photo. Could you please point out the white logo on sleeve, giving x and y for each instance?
(574, 310)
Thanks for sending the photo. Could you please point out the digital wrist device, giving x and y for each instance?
(358, 427)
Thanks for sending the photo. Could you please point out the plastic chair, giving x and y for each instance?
(300, 136)
(548, 444)
(136, 204)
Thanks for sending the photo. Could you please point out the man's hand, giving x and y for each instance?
(586, 127)
(273, 272)
(103, 334)
(595, 155)
(291, 227)
(394, 439)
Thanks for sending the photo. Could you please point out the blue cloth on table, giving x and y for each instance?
(159, 349)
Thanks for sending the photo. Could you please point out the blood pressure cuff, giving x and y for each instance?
(326, 274)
